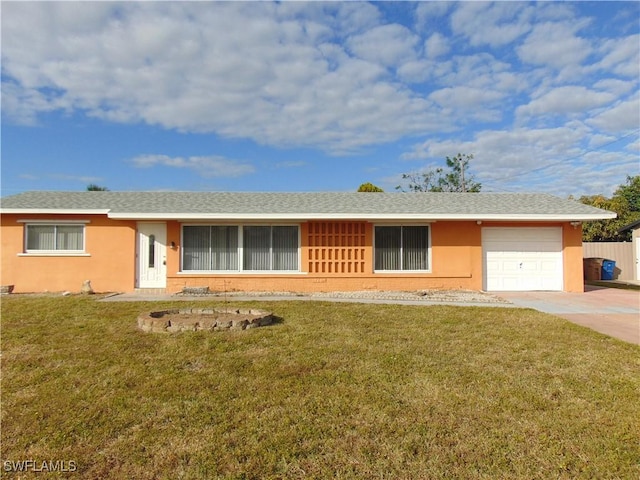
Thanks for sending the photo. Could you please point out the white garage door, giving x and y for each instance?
(522, 259)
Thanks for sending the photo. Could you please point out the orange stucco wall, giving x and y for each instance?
(109, 263)
(334, 256)
(572, 257)
(338, 256)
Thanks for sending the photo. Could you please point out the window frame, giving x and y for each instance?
(208, 225)
(240, 249)
(55, 251)
(402, 270)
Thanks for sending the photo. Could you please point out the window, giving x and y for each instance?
(57, 238)
(210, 248)
(234, 248)
(270, 248)
(152, 251)
(400, 248)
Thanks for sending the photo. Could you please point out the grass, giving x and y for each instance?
(610, 284)
(332, 391)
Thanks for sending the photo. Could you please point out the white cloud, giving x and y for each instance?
(436, 45)
(388, 45)
(624, 115)
(555, 45)
(353, 17)
(464, 97)
(622, 56)
(634, 147)
(426, 11)
(207, 166)
(555, 11)
(617, 87)
(86, 179)
(291, 164)
(534, 160)
(481, 70)
(75, 178)
(566, 100)
(28, 176)
(335, 76)
(492, 24)
(597, 140)
(24, 104)
(281, 79)
(504, 148)
(416, 71)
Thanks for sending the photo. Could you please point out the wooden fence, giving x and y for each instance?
(619, 252)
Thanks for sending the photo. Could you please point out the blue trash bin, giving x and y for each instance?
(608, 267)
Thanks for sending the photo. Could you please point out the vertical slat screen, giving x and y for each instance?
(285, 248)
(224, 247)
(387, 251)
(196, 250)
(415, 247)
(69, 237)
(41, 237)
(257, 255)
(55, 237)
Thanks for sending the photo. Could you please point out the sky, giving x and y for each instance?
(314, 96)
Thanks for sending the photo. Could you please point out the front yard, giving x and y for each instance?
(331, 391)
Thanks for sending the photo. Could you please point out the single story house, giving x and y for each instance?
(296, 242)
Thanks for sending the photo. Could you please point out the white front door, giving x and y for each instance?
(522, 258)
(152, 255)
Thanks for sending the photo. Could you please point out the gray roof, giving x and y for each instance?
(329, 205)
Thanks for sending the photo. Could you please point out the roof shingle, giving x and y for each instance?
(211, 205)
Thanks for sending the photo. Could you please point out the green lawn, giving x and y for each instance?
(333, 390)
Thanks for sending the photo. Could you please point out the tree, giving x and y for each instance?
(630, 190)
(625, 202)
(456, 179)
(92, 187)
(369, 187)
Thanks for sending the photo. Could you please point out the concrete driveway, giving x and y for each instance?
(612, 311)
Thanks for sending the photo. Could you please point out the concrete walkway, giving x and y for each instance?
(458, 299)
(612, 311)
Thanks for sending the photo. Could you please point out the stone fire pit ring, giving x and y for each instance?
(198, 319)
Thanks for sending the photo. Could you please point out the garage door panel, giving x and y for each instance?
(510, 266)
(522, 258)
(523, 248)
(515, 234)
(549, 266)
(508, 283)
(531, 267)
(544, 247)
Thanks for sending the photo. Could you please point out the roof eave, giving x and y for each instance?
(364, 216)
(54, 211)
(630, 226)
